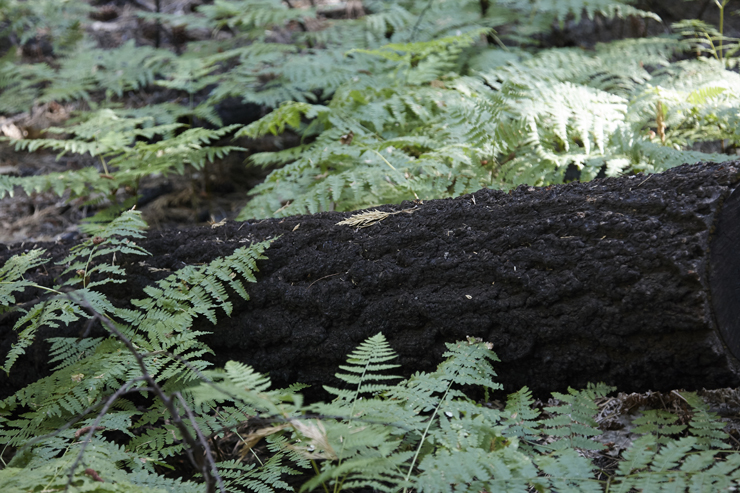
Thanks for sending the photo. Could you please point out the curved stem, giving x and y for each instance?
(424, 435)
(34, 285)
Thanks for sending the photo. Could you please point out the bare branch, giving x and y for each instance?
(88, 438)
(169, 404)
(202, 439)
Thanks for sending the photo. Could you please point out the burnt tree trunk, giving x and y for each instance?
(632, 281)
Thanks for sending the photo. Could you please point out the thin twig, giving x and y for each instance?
(643, 181)
(320, 278)
(69, 424)
(202, 440)
(94, 427)
(168, 402)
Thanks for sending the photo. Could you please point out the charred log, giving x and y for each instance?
(634, 281)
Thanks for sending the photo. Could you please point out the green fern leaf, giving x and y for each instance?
(573, 422)
(520, 417)
(364, 365)
(706, 426)
(658, 422)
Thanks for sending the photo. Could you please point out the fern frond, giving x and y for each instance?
(567, 470)
(266, 479)
(160, 443)
(475, 470)
(247, 15)
(116, 236)
(125, 68)
(424, 61)
(706, 426)
(11, 275)
(364, 367)
(573, 422)
(560, 10)
(659, 423)
(103, 458)
(174, 302)
(65, 350)
(68, 392)
(639, 455)
(110, 135)
(520, 416)
(289, 114)
(245, 376)
(46, 314)
(468, 363)
(379, 469)
(21, 85)
(661, 469)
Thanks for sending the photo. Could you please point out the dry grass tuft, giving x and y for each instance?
(366, 219)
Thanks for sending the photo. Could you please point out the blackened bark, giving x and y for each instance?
(724, 276)
(615, 280)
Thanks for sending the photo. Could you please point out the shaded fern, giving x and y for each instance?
(573, 421)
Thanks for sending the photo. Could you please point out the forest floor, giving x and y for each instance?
(221, 189)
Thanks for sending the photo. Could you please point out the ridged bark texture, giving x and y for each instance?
(609, 280)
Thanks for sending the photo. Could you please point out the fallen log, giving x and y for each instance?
(634, 281)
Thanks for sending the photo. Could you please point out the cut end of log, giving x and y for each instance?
(724, 277)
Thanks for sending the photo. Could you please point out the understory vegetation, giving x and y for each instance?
(404, 100)
(414, 100)
(119, 412)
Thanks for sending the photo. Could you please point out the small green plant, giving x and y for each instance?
(151, 347)
(708, 40)
(112, 138)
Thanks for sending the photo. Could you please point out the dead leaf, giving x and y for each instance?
(253, 438)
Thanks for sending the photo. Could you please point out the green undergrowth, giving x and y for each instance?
(140, 409)
(415, 99)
